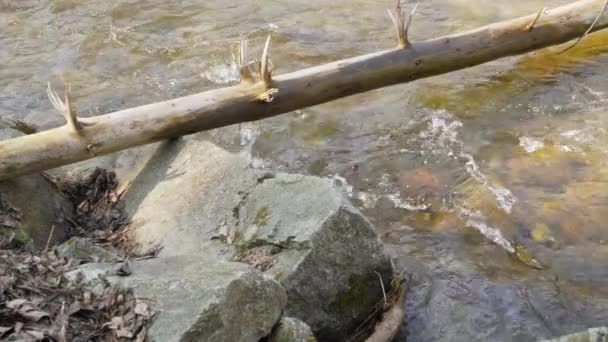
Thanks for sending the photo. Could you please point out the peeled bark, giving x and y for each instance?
(249, 101)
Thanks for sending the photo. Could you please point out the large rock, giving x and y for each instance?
(30, 206)
(329, 253)
(301, 230)
(185, 194)
(200, 299)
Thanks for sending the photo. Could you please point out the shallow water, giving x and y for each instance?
(488, 185)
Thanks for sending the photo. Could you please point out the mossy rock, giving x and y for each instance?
(38, 205)
(329, 252)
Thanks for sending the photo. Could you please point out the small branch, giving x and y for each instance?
(397, 19)
(530, 26)
(265, 72)
(65, 108)
(61, 335)
(387, 329)
(70, 113)
(266, 75)
(382, 285)
(599, 15)
(48, 241)
(401, 26)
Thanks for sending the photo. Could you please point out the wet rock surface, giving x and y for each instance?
(453, 297)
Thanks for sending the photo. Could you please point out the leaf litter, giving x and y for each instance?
(38, 302)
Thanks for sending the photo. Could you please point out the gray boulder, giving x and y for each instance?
(328, 252)
(30, 206)
(185, 194)
(291, 329)
(300, 230)
(199, 299)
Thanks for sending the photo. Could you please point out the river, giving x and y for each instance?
(488, 185)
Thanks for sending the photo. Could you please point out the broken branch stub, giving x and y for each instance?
(66, 107)
(261, 69)
(530, 26)
(400, 23)
(304, 88)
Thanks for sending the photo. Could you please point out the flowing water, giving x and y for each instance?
(489, 185)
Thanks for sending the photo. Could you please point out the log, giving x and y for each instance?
(261, 95)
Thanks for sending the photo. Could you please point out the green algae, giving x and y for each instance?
(262, 217)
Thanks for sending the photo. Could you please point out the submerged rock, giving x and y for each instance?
(30, 206)
(328, 252)
(291, 329)
(199, 299)
(478, 293)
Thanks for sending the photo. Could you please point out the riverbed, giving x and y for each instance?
(489, 185)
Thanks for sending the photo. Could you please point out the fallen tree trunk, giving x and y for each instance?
(270, 96)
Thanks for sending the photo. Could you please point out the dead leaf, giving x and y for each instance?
(141, 337)
(141, 308)
(33, 286)
(16, 303)
(116, 322)
(74, 308)
(86, 297)
(37, 335)
(124, 332)
(4, 330)
(28, 310)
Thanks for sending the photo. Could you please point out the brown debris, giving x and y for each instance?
(259, 258)
(97, 217)
(95, 198)
(38, 303)
(36, 300)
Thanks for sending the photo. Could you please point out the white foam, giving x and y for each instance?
(504, 197)
(442, 138)
(476, 220)
(530, 145)
(398, 202)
